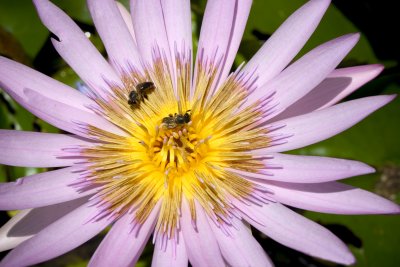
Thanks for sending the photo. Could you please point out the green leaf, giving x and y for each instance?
(21, 20)
(82, 263)
(3, 174)
(77, 9)
(267, 15)
(379, 235)
(125, 3)
(11, 48)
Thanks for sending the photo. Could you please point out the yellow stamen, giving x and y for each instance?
(155, 162)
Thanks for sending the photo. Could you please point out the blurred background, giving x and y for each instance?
(375, 240)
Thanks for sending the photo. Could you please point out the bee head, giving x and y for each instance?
(187, 116)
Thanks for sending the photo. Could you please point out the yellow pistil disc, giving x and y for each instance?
(154, 163)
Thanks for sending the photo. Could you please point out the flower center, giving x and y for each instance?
(174, 151)
(198, 153)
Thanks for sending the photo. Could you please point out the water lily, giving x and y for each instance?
(160, 144)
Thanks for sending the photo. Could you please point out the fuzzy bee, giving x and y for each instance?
(141, 92)
(172, 121)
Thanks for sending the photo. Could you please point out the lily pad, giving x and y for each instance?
(267, 15)
(21, 20)
(77, 9)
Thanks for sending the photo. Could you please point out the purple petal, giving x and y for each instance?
(127, 19)
(179, 32)
(63, 235)
(359, 75)
(331, 197)
(178, 24)
(339, 84)
(240, 248)
(150, 30)
(27, 223)
(308, 169)
(123, 244)
(297, 232)
(202, 247)
(66, 117)
(41, 189)
(15, 77)
(221, 32)
(115, 35)
(319, 125)
(31, 149)
(173, 255)
(6, 240)
(286, 42)
(307, 72)
(73, 45)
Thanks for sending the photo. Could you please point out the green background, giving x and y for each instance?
(375, 240)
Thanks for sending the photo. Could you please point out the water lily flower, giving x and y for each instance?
(164, 144)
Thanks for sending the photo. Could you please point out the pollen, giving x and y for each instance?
(175, 150)
(160, 160)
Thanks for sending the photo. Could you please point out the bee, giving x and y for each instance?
(172, 121)
(169, 122)
(141, 92)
